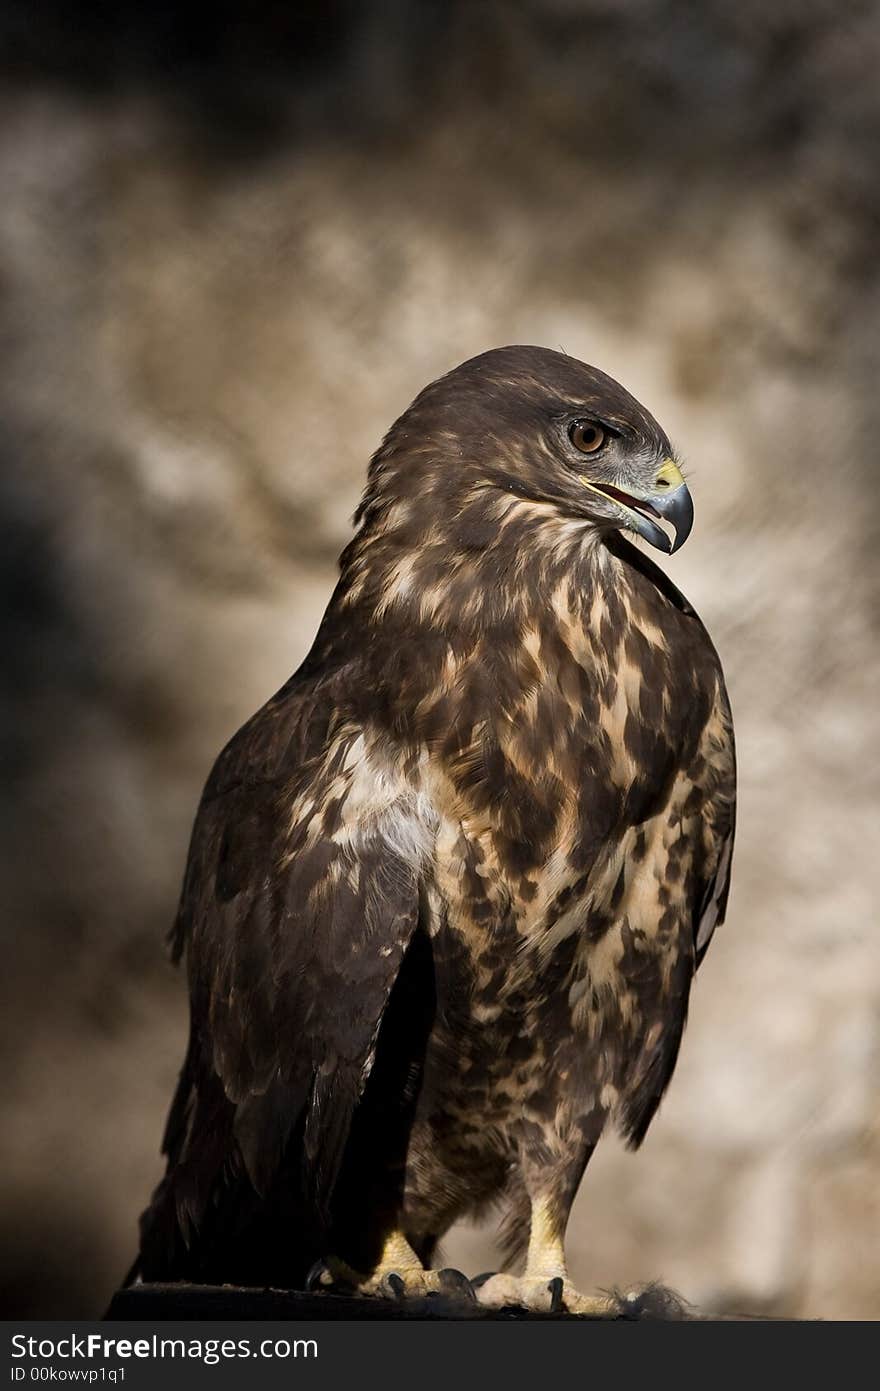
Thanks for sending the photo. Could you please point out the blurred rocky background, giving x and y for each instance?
(234, 242)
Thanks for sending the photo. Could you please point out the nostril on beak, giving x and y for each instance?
(668, 477)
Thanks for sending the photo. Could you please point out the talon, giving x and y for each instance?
(455, 1282)
(555, 1291)
(480, 1280)
(319, 1277)
(396, 1285)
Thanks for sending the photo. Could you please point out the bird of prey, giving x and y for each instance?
(448, 890)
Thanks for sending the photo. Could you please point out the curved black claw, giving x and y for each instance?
(315, 1278)
(479, 1280)
(455, 1283)
(396, 1285)
(555, 1289)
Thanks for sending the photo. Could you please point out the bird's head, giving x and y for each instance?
(541, 426)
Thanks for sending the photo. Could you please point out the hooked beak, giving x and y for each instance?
(669, 500)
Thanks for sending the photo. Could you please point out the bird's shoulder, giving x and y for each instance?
(307, 779)
(257, 789)
(651, 593)
(280, 736)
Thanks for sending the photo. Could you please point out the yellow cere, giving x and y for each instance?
(670, 474)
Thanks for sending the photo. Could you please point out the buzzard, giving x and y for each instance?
(447, 891)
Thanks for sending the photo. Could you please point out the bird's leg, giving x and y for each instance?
(551, 1169)
(544, 1285)
(399, 1274)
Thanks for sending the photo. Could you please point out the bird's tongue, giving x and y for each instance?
(636, 503)
(644, 509)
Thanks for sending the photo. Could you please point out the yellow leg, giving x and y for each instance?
(544, 1287)
(399, 1274)
(546, 1254)
(397, 1258)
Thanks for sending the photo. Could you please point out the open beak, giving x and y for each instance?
(668, 501)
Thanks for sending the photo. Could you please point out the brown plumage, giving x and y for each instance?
(448, 889)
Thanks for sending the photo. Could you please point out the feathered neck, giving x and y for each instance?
(490, 564)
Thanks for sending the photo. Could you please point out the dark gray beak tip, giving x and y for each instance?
(677, 508)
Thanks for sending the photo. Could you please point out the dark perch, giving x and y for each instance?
(154, 1302)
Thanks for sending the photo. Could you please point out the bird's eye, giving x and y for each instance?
(587, 436)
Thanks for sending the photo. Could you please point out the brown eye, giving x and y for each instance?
(587, 436)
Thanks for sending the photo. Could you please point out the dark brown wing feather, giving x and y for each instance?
(714, 903)
(294, 919)
(715, 784)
